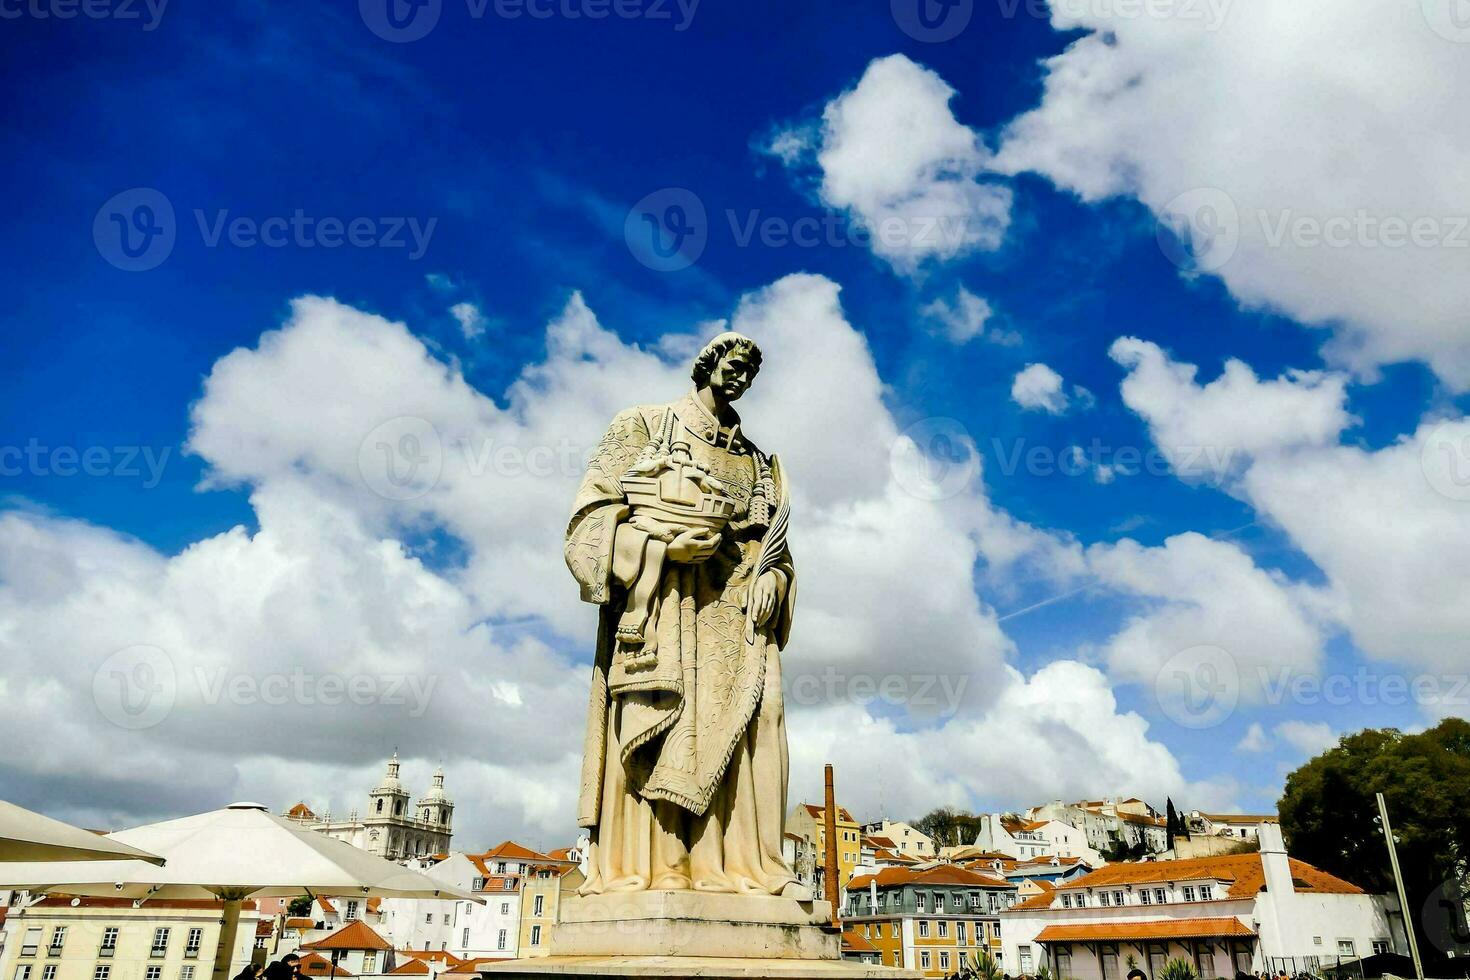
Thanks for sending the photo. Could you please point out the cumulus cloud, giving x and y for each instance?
(1254, 740)
(893, 157)
(1038, 388)
(470, 319)
(1308, 738)
(404, 585)
(1388, 527)
(1187, 114)
(963, 318)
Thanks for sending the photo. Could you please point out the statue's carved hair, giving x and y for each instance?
(704, 363)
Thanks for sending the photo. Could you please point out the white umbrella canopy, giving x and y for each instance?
(242, 851)
(28, 836)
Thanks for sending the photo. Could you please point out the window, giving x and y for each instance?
(895, 929)
(479, 884)
(428, 918)
(1104, 900)
(1381, 946)
(1025, 952)
(1066, 901)
(500, 867)
(48, 972)
(500, 940)
(32, 940)
(464, 937)
(1189, 893)
(1117, 898)
(351, 912)
(1159, 897)
(956, 901)
(193, 941)
(101, 971)
(1081, 901)
(1143, 897)
(960, 933)
(537, 909)
(1345, 947)
(153, 973)
(160, 942)
(923, 928)
(446, 918)
(924, 959)
(510, 884)
(370, 961)
(109, 942)
(505, 908)
(535, 935)
(943, 928)
(944, 960)
(919, 902)
(23, 972)
(58, 939)
(994, 927)
(186, 972)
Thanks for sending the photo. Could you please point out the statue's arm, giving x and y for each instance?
(600, 547)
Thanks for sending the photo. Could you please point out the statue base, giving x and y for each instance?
(692, 934)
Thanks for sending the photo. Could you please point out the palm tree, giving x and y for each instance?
(1178, 969)
(981, 965)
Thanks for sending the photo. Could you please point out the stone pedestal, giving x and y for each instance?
(692, 934)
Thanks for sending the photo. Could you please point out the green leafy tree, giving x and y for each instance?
(1329, 815)
(949, 827)
(299, 907)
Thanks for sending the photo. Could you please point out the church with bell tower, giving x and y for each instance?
(394, 826)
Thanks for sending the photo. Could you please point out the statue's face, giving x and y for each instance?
(733, 373)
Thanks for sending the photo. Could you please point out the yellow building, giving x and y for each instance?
(931, 920)
(60, 938)
(542, 889)
(810, 822)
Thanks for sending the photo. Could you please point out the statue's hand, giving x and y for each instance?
(693, 546)
(764, 599)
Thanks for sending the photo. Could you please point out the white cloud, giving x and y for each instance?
(1038, 388)
(894, 158)
(962, 319)
(1388, 527)
(1156, 106)
(1308, 738)
(1210, 431)
(1254, 740)
(471, 320)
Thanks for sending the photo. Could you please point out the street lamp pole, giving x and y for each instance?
(1398, 879)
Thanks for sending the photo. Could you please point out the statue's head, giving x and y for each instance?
(727, 365)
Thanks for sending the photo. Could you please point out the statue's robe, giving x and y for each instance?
(685, 766)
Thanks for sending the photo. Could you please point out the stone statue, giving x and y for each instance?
(678, 533)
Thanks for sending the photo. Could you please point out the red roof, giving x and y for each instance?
(855, 942)
(817, 811)
(511, 851)
(317, 965)
(299, 922)
(1244, 871)
(301, 811)
(356, 935)
(1148, 929)
(410, 967)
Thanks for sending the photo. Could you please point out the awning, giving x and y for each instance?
(1227, 927)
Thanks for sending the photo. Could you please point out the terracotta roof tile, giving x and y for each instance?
(1244, 871)
(356, 935)
(317, 965)
(944, 874)
(1147, 929)
(854, 941)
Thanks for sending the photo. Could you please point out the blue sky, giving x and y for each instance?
(517, 146)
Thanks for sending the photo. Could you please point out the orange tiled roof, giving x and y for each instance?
(855, 941)
(356, 935)
(511, 851)
(1244, 871)
(883, 842)
(1147, 929)
(301, 811)
(1022, 826)
(943, 874)
(843, 815)
(317, 965)
(299, 922)
(326, 904)
(410, 968)
(1041, 901)
(1245, 818)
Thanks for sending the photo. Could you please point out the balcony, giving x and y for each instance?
(106, 952)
